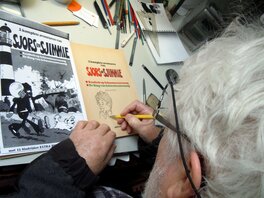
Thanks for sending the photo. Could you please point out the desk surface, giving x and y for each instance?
(50, 10)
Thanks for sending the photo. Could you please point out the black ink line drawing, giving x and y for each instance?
(104, 102)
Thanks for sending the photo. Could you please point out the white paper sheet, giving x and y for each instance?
(171, 49)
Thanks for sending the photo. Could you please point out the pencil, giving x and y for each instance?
(153, 77)
(137, 116)
(61, 23)
(125, 41)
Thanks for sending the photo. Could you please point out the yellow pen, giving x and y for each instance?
(137, 116)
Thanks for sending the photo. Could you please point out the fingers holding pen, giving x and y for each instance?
(144, 127)
(136, 107)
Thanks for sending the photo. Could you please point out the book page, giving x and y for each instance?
(106, 83)
(39, 103)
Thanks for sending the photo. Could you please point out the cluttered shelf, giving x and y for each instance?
(114, 24)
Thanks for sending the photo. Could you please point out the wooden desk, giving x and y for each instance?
(50, 10)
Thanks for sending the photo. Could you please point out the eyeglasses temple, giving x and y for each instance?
(165, 122)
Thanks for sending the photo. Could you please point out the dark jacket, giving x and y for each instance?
(61, 172)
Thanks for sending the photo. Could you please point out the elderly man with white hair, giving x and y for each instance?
(220, 108)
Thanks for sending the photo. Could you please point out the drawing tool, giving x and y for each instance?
(124, 21)
(133, 20)
(140, 116)
(121, 10)
(161, 98)
(101, 17)
(112, 3)
(129, 15)
(105, 11)
(117, 35)
(100, 14)
(153, 77)
(109, 29)
(142, 36)
(126, 15)
(125, 41)
(117, 7)
(133, 52)
(136, 25)
(61, 23)
(144, 92)
(108, 12)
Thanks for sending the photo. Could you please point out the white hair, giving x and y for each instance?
(221, 108)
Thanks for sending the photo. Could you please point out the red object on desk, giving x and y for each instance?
(137, 29)
(109, 13)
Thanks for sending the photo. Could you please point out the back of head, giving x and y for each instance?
(221, 108)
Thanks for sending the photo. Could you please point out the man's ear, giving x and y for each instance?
(186, 190)
(195, 169)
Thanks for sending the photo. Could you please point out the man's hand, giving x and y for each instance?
(95, 143)
(145, 128)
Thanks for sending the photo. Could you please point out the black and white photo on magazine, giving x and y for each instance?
(39, 102)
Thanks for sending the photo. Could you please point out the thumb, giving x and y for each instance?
(132, 121)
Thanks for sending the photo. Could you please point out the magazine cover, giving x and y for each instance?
(106, 83)
(39, 102)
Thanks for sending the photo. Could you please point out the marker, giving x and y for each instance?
(137, 116)
(133, 52)
(125, 41)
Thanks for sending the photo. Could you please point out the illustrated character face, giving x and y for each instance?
(70, 122)
(102, 104)
(27, 89)
(104, 101)
(17, 90)
(57, 118)
(73, 102)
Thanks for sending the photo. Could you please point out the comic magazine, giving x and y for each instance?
(40, 97)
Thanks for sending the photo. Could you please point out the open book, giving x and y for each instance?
(48, 84)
